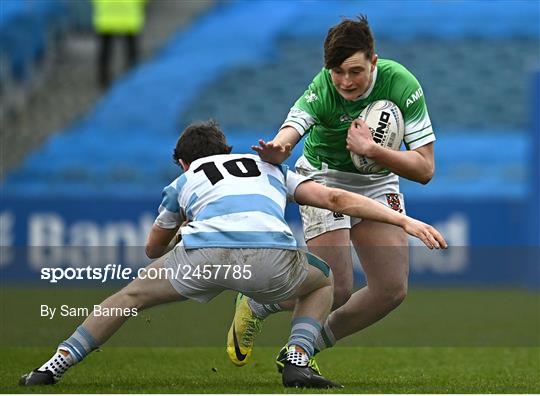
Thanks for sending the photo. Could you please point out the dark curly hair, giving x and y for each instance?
(200, 140)
(347, 38)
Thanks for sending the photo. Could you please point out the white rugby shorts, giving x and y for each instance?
(383, 189)
(266, 275)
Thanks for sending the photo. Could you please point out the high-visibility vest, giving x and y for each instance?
(118, 16)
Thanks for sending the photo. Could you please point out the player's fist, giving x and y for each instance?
(359, 138)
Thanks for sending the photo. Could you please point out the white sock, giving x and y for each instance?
(58, 364)
(296, 357)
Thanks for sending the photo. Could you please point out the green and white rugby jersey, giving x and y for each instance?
(326, 115)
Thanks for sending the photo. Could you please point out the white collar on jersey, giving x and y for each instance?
(368, 92)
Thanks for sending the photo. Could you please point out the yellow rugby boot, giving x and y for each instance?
(244, 328)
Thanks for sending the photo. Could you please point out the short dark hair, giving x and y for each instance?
(200, 140)
(347, 38)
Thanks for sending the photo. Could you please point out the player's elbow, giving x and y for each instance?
(424, 179)
(153, 252)
(426, 176)
(335, 199)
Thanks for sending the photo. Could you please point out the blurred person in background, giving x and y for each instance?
(122, 19)
(327, 113)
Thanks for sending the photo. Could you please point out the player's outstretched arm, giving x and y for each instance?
(279, 149)
(355, 205)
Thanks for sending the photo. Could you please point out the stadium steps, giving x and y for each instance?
(69, 90)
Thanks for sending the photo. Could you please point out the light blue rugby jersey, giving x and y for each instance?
(232, 201)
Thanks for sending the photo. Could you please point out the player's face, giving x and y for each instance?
(353, 77)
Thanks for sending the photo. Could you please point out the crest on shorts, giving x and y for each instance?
(394, 202)
(338, 216)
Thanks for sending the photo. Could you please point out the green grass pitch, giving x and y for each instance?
(438, 341)
(361, 370)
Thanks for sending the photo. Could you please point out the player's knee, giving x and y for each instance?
(329, 280)
(393, 295)
(399, 295)
(341, 295)
(324, 279)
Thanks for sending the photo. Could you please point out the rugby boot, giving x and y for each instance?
(244, 328)
(37, 377)
(304, 377)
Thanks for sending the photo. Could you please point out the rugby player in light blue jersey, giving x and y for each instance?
(229, 209)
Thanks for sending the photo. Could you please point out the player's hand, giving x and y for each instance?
(426, 233)
(359, 138)
(272, 152)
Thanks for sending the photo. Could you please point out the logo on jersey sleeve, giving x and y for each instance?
(394, 202)
(414, 97)
(311, 97)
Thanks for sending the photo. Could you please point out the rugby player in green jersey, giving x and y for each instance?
(326, 114)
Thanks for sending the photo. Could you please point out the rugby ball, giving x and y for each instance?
(387, 127)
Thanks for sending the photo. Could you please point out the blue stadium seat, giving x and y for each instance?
(123, 145)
